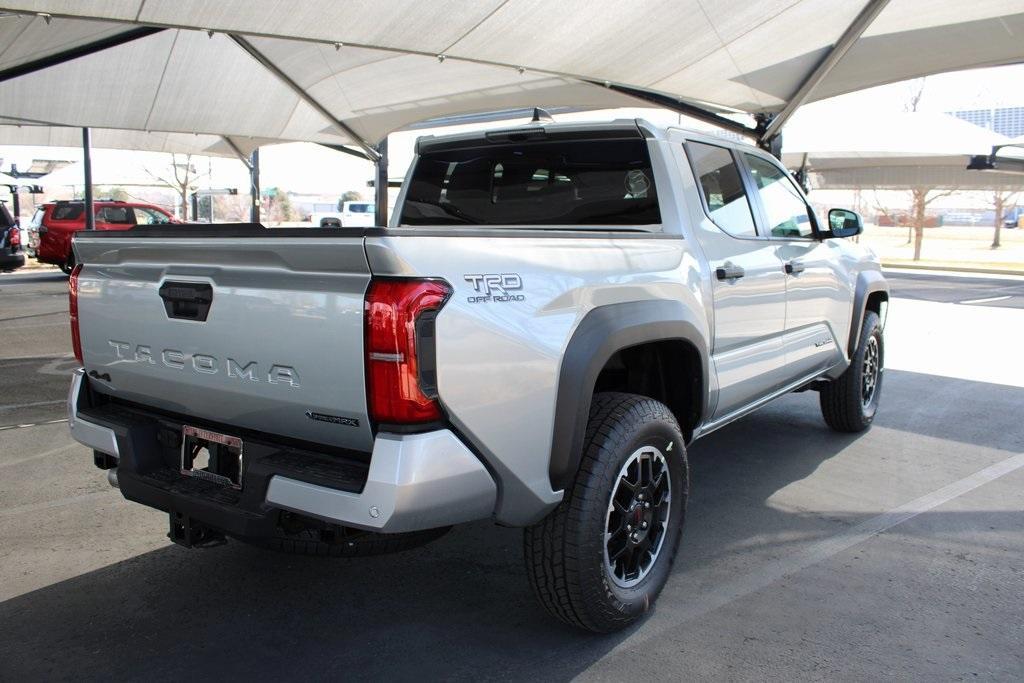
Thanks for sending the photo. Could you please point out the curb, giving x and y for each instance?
(922, 265)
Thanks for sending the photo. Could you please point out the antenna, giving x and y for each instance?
(539, 115)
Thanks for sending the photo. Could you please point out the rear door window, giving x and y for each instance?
(722, 188)
(116, 215)
(67, 212)
(573, 182)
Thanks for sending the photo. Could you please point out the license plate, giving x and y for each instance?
(211, 456)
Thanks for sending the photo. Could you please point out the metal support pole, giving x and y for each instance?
(852, 34)
(254, 186)
(90, 215)
(380, 185)
(15, 204)
(195, 207)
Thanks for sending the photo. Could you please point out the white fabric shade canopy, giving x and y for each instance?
(895, 151)
(106, 138)
(351, 72)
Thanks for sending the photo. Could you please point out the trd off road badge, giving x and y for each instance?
(499, 287)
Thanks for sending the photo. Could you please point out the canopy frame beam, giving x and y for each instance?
(345, 150)
(238, 153)
(84, 50)
(853, 32)
(682, 107)
(993, 162)
(262, 59)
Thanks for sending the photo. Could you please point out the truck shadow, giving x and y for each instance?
(461, 607)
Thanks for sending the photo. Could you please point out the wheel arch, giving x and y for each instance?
(659, 327)
(871, 293)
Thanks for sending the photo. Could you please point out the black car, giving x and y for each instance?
(12, 256)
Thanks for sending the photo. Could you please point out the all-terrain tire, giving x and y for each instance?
(842, 400)
(566, 554)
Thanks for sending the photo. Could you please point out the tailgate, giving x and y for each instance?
(281, 347)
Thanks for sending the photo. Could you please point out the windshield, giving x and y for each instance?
(360, 208)
(597, 182)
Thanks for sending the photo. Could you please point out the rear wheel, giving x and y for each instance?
(850, 402)
(602, 557)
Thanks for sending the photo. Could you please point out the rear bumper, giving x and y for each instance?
(411, 482)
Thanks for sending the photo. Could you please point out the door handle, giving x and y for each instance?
(187, 300)
(729, 271)
(795, 267)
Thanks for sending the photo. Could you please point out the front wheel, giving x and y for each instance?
(601, 558)
(850, 402)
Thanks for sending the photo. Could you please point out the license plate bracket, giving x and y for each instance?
(212, 456)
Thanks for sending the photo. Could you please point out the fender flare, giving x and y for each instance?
(602, 332)
(868, 282)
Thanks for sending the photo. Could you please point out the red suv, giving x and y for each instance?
(54, 225)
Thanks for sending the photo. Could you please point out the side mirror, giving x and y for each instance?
(843, 223)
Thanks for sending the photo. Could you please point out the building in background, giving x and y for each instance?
(1008, 121)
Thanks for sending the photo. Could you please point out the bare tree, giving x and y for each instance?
(1000, 200)
(916, 93)
(182, 179)
(921, 197)
(233, 208)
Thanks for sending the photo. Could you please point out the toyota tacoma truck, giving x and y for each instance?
(554, 314)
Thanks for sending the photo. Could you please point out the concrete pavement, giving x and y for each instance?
(807, 555)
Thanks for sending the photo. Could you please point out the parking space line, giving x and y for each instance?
(33, 424)
(765, 575)
(38, 456)
(62, 323)
(49, 505)
(36, 404)
(33, 315)
(986, 300)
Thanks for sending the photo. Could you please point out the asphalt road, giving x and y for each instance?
(1001, 291)
(807, 555)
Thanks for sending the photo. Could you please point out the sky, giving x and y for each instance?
(308, 168)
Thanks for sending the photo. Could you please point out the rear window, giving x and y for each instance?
(606, 182)
(115, 214)
(360, 208)
(67, 212)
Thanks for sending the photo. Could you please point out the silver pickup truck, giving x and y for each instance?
(554, 314)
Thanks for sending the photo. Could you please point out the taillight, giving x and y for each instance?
(400, 377)
(15, 235)
(76, 339)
